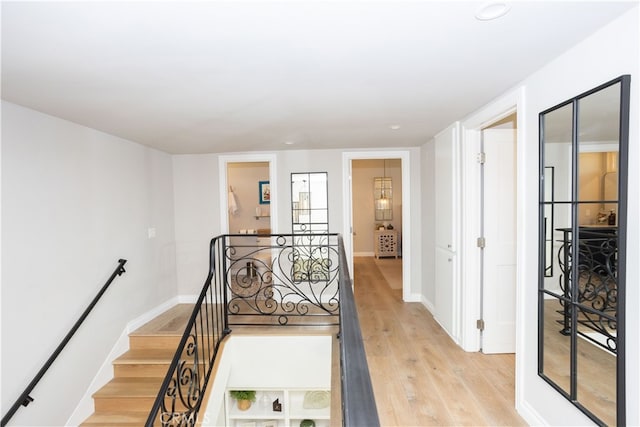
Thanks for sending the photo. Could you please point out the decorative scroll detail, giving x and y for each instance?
(597, 285)
(183, 393)
(293, 276)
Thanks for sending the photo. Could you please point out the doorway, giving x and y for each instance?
(242, 208)
(377, 215)
(471, 297)
(352, 205)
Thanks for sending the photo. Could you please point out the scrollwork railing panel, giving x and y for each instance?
(295, 276)
(596, 284)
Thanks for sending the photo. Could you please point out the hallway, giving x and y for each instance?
(420, 377)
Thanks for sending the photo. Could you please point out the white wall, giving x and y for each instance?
(197, 211)
(74, 201)
(610, 52)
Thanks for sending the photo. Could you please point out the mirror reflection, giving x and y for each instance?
(309, 208)
(582, 190)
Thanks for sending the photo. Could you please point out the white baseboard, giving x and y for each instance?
(85, 407)
(370, 254)
(413, 298)
(187, 299)
(151, 314)
(428, 305)
(105, 373)
(530, 415)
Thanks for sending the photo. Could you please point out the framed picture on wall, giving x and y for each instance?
(264, 191)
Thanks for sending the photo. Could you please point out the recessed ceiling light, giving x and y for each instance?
(289, 143)
(492, 10)
(394, 127)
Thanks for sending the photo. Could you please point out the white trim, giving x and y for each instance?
(428, 305)
(187, 299)
(152, 314)
(85, 406)
(513, 101)
(363, 254)
(530, 415)
(405, 157)
(247, 158)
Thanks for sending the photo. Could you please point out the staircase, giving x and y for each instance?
(126, 400)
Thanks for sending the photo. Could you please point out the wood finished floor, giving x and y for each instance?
(420, 376)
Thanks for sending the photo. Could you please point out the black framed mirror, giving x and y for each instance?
(582, 250)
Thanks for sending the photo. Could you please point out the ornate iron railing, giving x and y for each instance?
(286, 279)
(267, 280)
(596, 284)
(182, 391)
(25, 399)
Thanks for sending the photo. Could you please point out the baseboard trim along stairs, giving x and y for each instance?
(127, 399)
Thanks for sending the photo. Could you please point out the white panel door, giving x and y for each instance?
(499, 284)
(446, 196)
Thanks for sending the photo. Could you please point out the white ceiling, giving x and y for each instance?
(227, 76)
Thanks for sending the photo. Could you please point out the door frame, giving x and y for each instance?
(512, 102)
(223, 160)
(405, 240)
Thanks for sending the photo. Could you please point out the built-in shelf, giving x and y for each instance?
(292, 409)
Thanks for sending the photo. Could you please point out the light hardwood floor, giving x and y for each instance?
(420, 377)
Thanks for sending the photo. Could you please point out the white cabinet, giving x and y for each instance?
(446, 262)
(447, 219)
(295, 405)
(446, 186)
(386, 243)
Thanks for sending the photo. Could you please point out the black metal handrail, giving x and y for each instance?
(280, 283)
(180, 396)
(358, 401)
(25, 398)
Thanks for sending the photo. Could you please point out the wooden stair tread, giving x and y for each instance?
(139, 372)
(132, 387)
(146, 356)
(122, 418)
(171, 322)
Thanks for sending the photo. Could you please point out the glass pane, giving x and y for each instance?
(557, 276)
(557, 343)
(557, 152)
(597, 259)
(318, 188)
(596, 369)
(309, 202)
